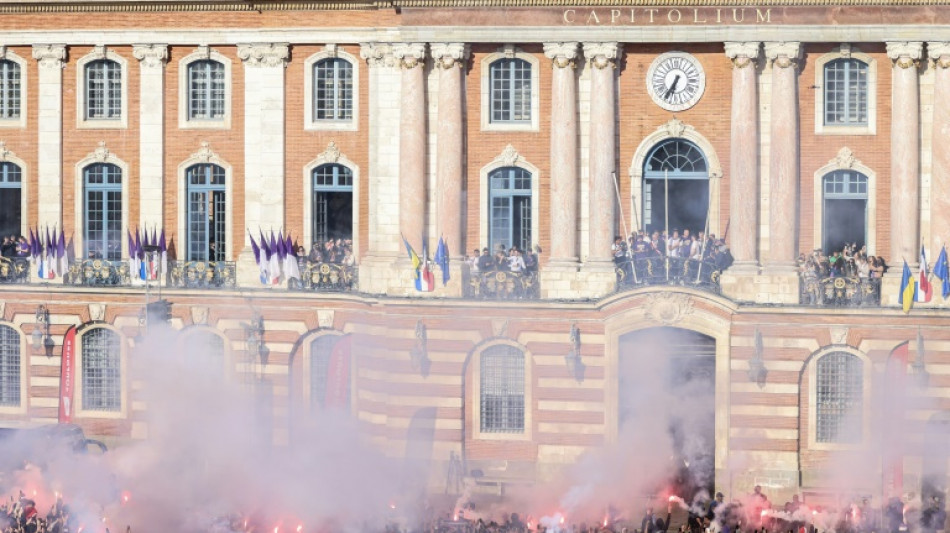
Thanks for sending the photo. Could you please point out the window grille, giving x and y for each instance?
(846, 93)
(510, 208)
(840, 398)
(103, 90)
(502, 390)
(9, 89)
(333, 90)
(207, 352)
(103, 211)
(9, 366)
(321, 349)
(328, 180)
(510, 96)
(206, 90)
(101, 372)
(10, 176)
(678, 158)
(206, 213)
(846, 184)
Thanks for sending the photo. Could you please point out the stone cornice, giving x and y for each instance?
(448, 55)
(264, 54)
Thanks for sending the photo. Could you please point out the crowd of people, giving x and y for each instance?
(850, 261)
(335, 251)
(20, 515)
(14, 246)
(507, 260)
(629, 254)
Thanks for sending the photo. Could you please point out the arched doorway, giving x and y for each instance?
(675, 187)
(667, 383)
(845, 197)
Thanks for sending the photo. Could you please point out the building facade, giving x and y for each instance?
(781, 127)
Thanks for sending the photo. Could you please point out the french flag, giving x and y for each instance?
(924, 288)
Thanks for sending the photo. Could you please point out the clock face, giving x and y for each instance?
(676, 81)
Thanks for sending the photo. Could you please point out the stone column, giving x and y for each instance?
(603, 151)
(450, 59)
(784, 157)
(744, 155)
(905, 154)
(564, 177)
(152, 58)
(263, 144)
(939, 53)
(50, 58)
(410, 57)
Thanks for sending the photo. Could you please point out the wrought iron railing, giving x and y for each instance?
(98, 273)
(325, 277)
(840, 291)
(504, 285)
(202, 274)
(14, 270)
(662, 270)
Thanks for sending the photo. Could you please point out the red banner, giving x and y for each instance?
(895, 377)
(67, 376)
(338, 375)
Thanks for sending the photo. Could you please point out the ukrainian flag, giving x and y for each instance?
(908, 291)
(416, 262)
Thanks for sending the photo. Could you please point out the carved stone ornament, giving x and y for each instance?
(325, 318)
(150, 55)
(50, 55)
(3, 52)
(562, 55)
(449, 55)
(101, 154)
(783, 54)
(667, 307)
(845, 158)
(377, 54)
(204, 154)
(508, 50)
(409, 55)
(844, 49)
(4, 153)
(939, 53)
(839, 335)
(199, 315)
(509, 156)
(97, 312)
(743, 54)
(331, 154)
(264, 54)
(331, 49)
(203, 52)
(499, 327)
(602, 55)
(905, 54)
(674, 128)
(98, 52)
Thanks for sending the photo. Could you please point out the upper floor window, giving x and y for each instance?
(332, 90)
(206, 90)
(510, 208)
(103, 90)
(502, 390)
(206, 213)
(839, 398)
(510, 86)
(9, 89)
(101, 370)
(11, 196)
(846, 92)
(102, 195)
(9, 367)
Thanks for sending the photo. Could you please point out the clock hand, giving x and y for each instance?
(670, 92)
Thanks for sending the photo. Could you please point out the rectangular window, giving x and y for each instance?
(101, 376)
(510, 85)
(840, 392)
(502, 390)
(103, 90)
(9, 89)
(332, 90)
(206, 90)
(846, 93)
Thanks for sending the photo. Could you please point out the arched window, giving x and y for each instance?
(502, 389)
(9, 367)
(510, 99)
(675, 175)
(332, 90)
(205, 352)
(509, 198)
(206, 90)
(329, 373)
(102, 237)
(11, 193)
(101, 370)
(103, 89)
(9, 89)
(845, 209)
(846, 92)
(839, 398)
(332, 203)
(205, 213)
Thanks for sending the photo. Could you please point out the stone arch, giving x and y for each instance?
(676, 129)
(227, 353)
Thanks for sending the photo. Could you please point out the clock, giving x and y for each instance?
(676, 81)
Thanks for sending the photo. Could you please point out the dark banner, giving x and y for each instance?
(67, 376)
(895, 377)
(338, 374)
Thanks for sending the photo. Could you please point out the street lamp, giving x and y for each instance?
(573, 358)
(254, 339)
(920, 367)
(42, 341)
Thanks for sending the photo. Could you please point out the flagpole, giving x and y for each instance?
(666, 199)
(623, 219)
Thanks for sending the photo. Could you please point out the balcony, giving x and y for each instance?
(324, 277)
(503, 285)
(202, 274)
(840, 291)
(98, 273)
(662, 270)
(14, 270)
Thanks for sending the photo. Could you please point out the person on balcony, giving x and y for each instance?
(515, 261)
(485, 261)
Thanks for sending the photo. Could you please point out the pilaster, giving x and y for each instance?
(50, 59)
(152, 58)
(939, 55)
